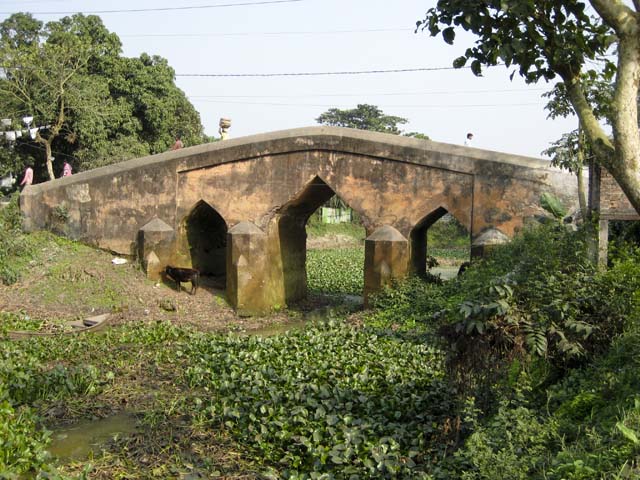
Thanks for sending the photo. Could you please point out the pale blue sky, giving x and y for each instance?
(503, 115)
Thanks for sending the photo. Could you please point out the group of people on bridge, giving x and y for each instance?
(27, 179)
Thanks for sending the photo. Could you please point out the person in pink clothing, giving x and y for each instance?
(28, 176)
(178, 145)
(66, 170)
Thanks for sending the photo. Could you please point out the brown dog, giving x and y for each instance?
(181, 275)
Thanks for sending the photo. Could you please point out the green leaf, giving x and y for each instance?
(553, 205)
(449, 34)
(628, 433)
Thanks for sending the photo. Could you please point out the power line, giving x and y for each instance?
(250, 34)
(316, 74)
(373, 94)
(166, 9)
(274, 104)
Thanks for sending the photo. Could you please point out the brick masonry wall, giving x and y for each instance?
(614, 204)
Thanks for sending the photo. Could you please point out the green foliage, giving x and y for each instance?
(512, 445)
(101, 108)
(22, 443)
(338, 271)
(15, 247)
(363, 117)
(316, 228)
(536, 308)
(542, 38)
(553, 205)
(18, 321)
(448, 233)
(331, 400)
(43, 371)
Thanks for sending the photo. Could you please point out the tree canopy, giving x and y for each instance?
(96, 106)
(363, 117)
(546, 39)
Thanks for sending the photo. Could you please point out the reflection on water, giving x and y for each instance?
(447, 273)
(79, 441)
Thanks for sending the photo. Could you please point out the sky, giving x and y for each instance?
(311, 36)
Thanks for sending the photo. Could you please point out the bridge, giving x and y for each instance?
(237, 209)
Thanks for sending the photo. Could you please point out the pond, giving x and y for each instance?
(80, 441)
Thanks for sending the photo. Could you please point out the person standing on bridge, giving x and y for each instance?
(66, 170)
(178, 144)
(28, 176)
(469, 140)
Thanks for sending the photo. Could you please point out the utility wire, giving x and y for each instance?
(382, 106)
(316, 74)
(373, 94)
(166, 9)
(251, 34)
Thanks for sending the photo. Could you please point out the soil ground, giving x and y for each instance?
(71, 281)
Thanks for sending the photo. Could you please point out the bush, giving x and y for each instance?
(14, 245)
(512, 445)
(22, 444)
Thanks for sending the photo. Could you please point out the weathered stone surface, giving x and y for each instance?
(155, 247)
(489, 239)
(247, 283)
(275, 181)
(386, 258)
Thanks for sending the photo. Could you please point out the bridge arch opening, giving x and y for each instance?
(207, 238)
(317, 229)
(440, 236)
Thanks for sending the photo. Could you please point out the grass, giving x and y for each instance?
(319, 229)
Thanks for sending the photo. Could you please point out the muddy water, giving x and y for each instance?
(79, 441)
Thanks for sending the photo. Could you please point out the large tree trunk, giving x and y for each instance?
(624, 162)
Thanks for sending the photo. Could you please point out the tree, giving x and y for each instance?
(97, 106)
(363, 117)
(43, 77)
(572, 150)
(546, 39)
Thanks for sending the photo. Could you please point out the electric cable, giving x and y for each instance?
(166, 9)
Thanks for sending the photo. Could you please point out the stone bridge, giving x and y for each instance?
(237, 209)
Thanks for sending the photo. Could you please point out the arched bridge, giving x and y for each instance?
(238, 208)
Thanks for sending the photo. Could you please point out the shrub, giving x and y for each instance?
(22, 444)
(512, 445)
(13, 243)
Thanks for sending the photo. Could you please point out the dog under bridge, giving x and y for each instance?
(238, 208)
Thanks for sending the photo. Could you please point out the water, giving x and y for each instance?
(79, 441)
(447, 273)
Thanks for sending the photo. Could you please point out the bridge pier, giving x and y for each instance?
(155, 247)
(248, 289)
(386, 259)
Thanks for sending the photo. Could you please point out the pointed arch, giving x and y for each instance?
(418, 238)
(206, 233)
(293, 235)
